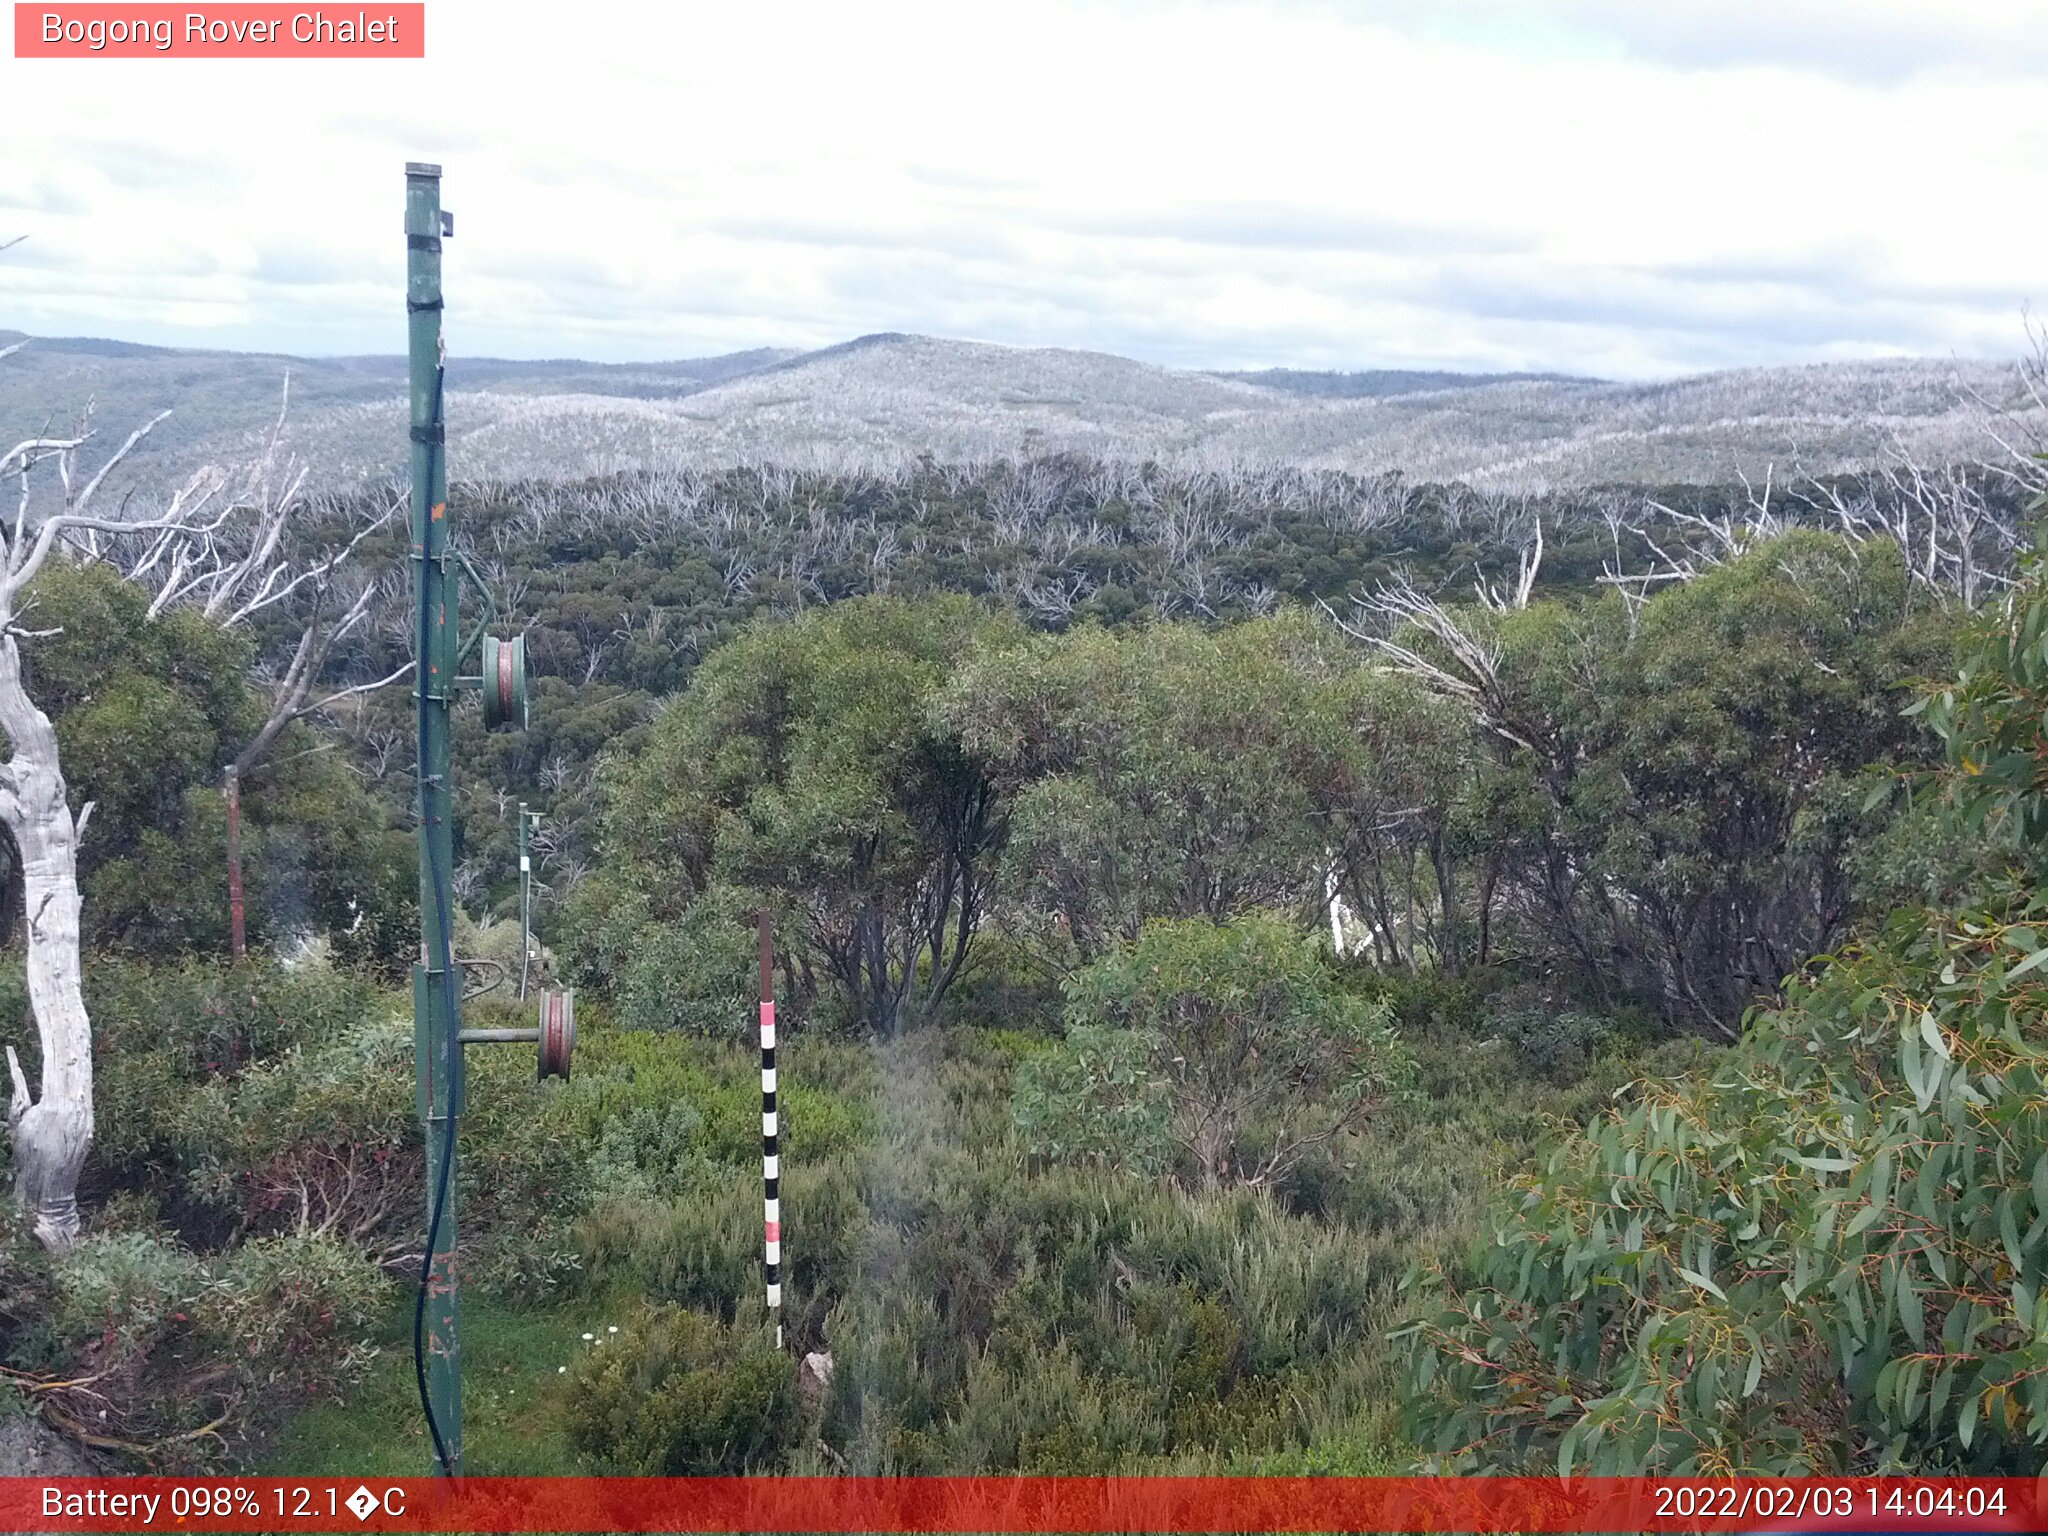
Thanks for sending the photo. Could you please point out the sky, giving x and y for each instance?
(1626, 188)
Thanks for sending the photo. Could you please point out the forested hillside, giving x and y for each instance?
(877, 403)
(1199, 895)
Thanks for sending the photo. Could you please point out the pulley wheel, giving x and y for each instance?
(504, 682)
(557, 1031)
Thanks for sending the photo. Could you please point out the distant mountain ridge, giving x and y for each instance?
(889, 397)
(1371, 383)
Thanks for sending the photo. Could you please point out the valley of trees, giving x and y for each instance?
(1280, 972)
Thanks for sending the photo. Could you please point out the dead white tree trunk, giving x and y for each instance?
(50, 1133)
(51, 1127)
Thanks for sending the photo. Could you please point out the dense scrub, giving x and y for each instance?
(1097, 1155)
(1661, 806)
(988, 1307)
(1827, 1255)
(625, 584)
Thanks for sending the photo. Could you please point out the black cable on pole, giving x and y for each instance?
(437, 877)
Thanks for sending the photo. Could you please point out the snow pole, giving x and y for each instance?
(771, 1157)
(526, 820)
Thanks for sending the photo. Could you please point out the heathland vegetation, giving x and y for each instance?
(1279, 972)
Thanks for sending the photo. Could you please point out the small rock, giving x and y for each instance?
(816, 1374)
(27, 1449)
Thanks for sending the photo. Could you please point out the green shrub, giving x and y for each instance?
(703, 1250)
(698, 973)
(172, 1042)
(217, 1015)
(644, 1150)
(321, 1138)
(1051, 1414)
(526, 1176)
(1093, 1098)
(294, 1308)
(1245, 1045)
(597, 932)
(1561, 1045)
(125, 1286)
(29, 1335)
(1005, 986)
(1077, 1321)
(1814, 1261)
(1556, 1038)
(183, 1343)
(630, 1085)
(679, 1394)
(147, 710)
(1428, 1001)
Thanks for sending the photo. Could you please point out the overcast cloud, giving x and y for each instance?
(1616, 187)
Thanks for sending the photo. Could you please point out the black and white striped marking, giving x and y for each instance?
(771, 1170)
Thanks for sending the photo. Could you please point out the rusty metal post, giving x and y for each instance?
(237, 943)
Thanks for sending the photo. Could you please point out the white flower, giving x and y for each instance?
(561, 1370)
(613, 1329)
(588, 1337)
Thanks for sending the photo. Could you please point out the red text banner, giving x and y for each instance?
(231, 31)
(1024, 1504)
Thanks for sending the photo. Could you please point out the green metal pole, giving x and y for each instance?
(436, 990)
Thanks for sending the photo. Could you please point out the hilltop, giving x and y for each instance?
(887, 398)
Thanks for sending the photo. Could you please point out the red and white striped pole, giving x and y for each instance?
(771, 1159)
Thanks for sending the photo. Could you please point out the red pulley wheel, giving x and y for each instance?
(504, 682)
(557, 1031)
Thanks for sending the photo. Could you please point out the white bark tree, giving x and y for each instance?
(219, 551)
(51, 1127)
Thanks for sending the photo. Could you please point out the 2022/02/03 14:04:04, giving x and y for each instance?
(1799, 1508)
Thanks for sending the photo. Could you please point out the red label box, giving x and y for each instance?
(1096, 1506)
(230, 31)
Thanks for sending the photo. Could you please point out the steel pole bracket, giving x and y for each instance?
(555, 1034)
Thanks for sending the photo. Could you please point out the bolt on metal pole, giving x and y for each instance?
(436, 990)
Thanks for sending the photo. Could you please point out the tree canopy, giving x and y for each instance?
(805, 766)
(1828, 1254)
(148, 710)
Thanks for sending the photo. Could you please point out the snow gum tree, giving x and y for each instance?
(51, 1127)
